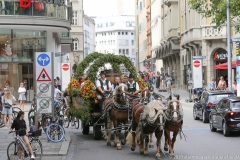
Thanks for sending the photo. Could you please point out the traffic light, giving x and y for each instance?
(237, 49)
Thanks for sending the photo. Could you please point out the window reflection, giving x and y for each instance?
(5, 45)
(6, 7)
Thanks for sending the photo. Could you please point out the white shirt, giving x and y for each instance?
(168, 79)
(98, 84)
(22, 90)
(56, 92)
(131, 85)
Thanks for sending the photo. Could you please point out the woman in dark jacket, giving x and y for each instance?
(20, 124)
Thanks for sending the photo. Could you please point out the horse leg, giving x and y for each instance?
(108, 132)
(133, 147)
(173, 141)
(166, 135)
(117, 141)
(141, 141)
(146, 145)
(158, 135)
(151, 141)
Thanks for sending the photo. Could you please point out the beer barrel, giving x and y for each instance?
(111, 74)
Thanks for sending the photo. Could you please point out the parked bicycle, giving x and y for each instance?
(18, 149)
(55, 132)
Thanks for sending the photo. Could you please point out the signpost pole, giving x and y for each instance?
(53, 87)
(229, 48)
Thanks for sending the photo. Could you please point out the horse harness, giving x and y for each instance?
(169, 112)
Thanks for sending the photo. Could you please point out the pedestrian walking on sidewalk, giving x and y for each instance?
(158, 80)
(22, 95)
(169, 83)
(7, 100)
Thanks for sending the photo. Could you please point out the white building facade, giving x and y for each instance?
(156, 27)
(116, 35)
(89, 35)
(77, 34)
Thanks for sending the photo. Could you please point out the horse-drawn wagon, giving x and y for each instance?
(84, 102)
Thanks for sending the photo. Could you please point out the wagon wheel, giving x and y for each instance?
(85, 128)
(97, 132)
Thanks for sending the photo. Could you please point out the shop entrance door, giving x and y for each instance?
(26, 74)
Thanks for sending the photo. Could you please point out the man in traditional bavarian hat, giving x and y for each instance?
(103, 85)
(133, 87)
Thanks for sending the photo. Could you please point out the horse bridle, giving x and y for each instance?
(171, 111)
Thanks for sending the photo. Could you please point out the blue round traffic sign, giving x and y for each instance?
(43, 59)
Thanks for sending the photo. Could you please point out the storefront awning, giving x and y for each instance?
(224, 66)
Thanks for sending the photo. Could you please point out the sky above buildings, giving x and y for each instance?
(103, 8)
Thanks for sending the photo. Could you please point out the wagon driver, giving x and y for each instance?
(133, 87)
(103, 85)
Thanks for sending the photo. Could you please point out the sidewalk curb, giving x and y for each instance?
(63, 150)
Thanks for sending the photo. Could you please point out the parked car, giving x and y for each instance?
(209, 99)
(226, 116)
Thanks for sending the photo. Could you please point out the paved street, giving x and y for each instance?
(200, 143)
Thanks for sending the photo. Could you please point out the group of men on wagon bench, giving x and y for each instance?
(104, 85)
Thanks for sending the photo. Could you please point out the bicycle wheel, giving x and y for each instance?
(66, 121)
(55, 133)
(15, 151)
(31, 121)
(76, 122)
(46, 120)
(37, 148)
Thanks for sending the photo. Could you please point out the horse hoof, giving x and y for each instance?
(158, 156)
(119, 147)
(165, 148)
(146, 154)
(141, 151)
(171, 155)
(151, 146)
(133, 148)
(123, 142)
(108, 143)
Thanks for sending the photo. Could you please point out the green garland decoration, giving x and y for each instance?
(112, 59)
(100, 60)
(84, 64)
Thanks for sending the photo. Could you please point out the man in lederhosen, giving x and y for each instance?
(133, 87)
(103, 85)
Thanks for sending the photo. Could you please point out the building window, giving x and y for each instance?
(120, 51)
(119, 33)
(106, 24)
(132, 42)
(140, 6)
(133, 51)
(123, 51)
(127, 52)
(122, 33)
(123, 42)
(75, 18)
(131, 33)
(109, 42)
(75, 45)
(126, 33)
(113, 42)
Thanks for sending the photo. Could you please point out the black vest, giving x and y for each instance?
(133, 89)
(101, 82)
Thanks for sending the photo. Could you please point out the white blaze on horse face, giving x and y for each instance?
(145, 94)
(123, 90)
(175, 108)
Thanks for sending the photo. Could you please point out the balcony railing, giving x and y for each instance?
(36, 9)
(211, 32)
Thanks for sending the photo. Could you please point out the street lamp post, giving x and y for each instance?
(229, 48)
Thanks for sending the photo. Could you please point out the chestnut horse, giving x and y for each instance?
(147, 120)
(117, 112)
(174, 119)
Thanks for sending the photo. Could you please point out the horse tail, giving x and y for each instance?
(129, 138)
